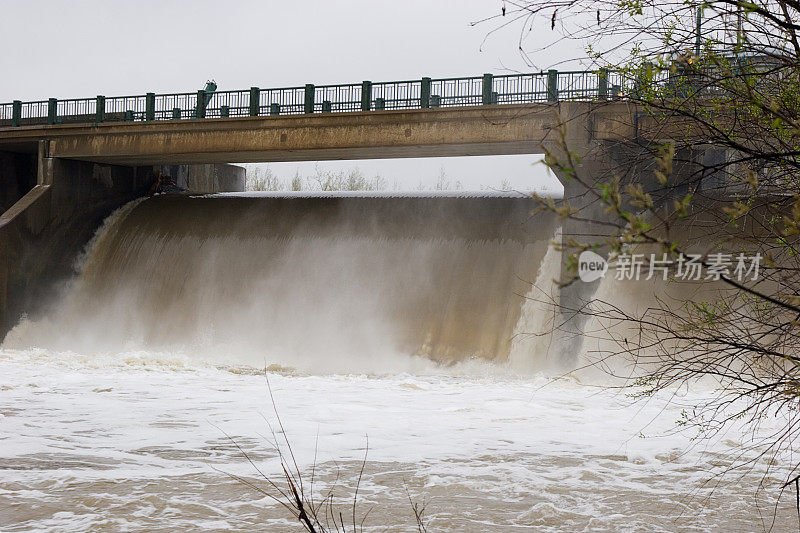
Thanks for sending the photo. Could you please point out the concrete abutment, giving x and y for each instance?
(53, 207)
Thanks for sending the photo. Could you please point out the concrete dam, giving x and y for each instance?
(276, 278)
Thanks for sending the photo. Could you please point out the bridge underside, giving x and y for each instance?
(322, 154)
(442, 132)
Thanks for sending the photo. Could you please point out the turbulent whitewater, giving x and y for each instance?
(418, 327)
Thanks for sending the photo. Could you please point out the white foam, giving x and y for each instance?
(526, 450)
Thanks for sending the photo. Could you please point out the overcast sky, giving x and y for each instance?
(79, 48)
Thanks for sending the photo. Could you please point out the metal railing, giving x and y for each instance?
(550, 86)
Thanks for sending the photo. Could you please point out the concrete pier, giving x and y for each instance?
(53, 206)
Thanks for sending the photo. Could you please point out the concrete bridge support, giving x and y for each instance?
(42, 233)
(51, 209)
(601, 157)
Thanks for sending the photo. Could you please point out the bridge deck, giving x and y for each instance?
(446, 131)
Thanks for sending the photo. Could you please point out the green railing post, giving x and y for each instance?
(129, 116)
(698, 28)
(176, 113)
(326, 106)
(16, 113)
(52, 110)
(274, 109)
(380, 104)
(486, 92)
(552, 85)
(254, 101)
(100, 109)
(150, 107)
(602, 86)
(616, 92)
(224, 111)
(436, 100)
(201, 104)
(366, 95)
(308, 104)
(425, 93)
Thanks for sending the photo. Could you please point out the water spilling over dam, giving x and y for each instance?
(281, 279)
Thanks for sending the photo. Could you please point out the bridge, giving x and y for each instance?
(65, 164)
(483, 115)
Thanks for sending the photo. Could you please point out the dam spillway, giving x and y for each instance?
(304, 280)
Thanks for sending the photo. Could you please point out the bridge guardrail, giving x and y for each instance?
(550, 86)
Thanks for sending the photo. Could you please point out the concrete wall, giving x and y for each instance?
(43, 232)
(622, 147)
(46, 227)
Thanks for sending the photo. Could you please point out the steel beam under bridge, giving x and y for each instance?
(453, 131)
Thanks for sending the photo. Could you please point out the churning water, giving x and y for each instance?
(400, 324)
